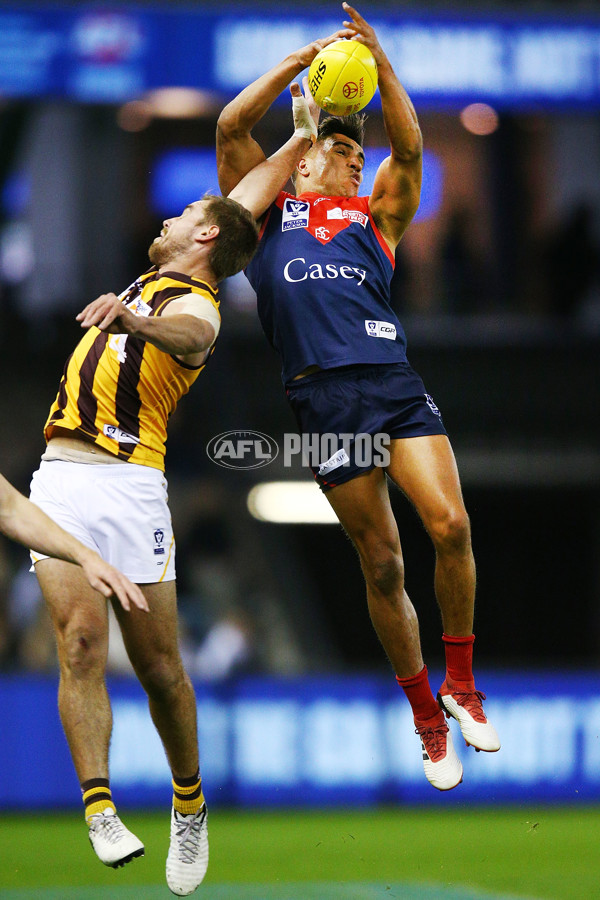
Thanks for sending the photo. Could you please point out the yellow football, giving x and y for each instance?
(343, 77)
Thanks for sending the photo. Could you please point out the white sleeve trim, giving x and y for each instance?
(201, 308)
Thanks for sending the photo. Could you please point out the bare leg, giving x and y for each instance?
(151, 640)
(363, 507)
(80, 620)
(425, 469)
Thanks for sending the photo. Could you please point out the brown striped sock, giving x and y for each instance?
(187, 794)
(96, 797)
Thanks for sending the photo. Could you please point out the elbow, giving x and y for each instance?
(231, 124)
(409, 156)
(204, 338)
(412, 151)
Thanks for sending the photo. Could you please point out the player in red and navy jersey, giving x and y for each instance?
(322, 276)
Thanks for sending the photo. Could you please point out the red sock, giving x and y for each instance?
(418, 693)
(459, 659)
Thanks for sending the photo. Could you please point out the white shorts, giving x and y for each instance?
(119, 510)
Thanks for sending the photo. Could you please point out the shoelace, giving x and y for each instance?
(471, 701)
(188, 837)
(434, 740)
(111, 826)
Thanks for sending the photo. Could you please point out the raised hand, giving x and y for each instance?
(360, 30)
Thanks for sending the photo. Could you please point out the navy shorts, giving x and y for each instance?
(353, 410)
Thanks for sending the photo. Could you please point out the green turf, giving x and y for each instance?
(304, 891)
(544, 853)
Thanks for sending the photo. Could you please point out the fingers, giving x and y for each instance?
(128, 593)
(110, 582)
(295, 89)
(101, 312)
(356, 17)
(336, 36)
(358, 24)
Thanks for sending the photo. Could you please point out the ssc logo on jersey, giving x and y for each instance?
(295, 214)
(380, 329)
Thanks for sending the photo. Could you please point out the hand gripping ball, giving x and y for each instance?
(343, 77)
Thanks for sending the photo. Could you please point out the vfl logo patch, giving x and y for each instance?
(295, 214)
(159, 538)
(122, 437)
(380, 329)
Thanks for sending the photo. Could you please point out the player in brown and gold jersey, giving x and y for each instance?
(102, 478)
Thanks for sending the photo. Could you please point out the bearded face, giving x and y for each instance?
(167, 247)
(177, 236)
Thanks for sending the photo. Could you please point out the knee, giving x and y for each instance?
(383, 569)
(82, 648)
(161, 676)
(451, 532)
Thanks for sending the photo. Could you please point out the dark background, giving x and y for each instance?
(500, 296)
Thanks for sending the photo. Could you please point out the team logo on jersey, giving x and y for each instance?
(122, 437)
(380, 329)
(295, 214)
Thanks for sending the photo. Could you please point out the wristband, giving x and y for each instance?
(304, 124)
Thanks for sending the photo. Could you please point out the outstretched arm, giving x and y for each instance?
(397, 188)
(23, 521)
(258, 188)
(237, 151)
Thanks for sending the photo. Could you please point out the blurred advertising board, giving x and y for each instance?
(89, 54)
(314, 741)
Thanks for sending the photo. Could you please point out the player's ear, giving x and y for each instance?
(206, 233)
(303, 167)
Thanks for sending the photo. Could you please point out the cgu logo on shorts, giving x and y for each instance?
(295, 214)
(242, 449)
(380, 329)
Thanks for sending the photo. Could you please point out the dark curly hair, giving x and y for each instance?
(352, 127)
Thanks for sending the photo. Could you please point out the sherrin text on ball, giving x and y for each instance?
(343, 77)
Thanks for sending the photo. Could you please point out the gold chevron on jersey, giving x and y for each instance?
(118, 391)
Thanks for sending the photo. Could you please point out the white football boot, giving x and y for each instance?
(465, 706)
(187, 860)
(114, 844)
(443, 768)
